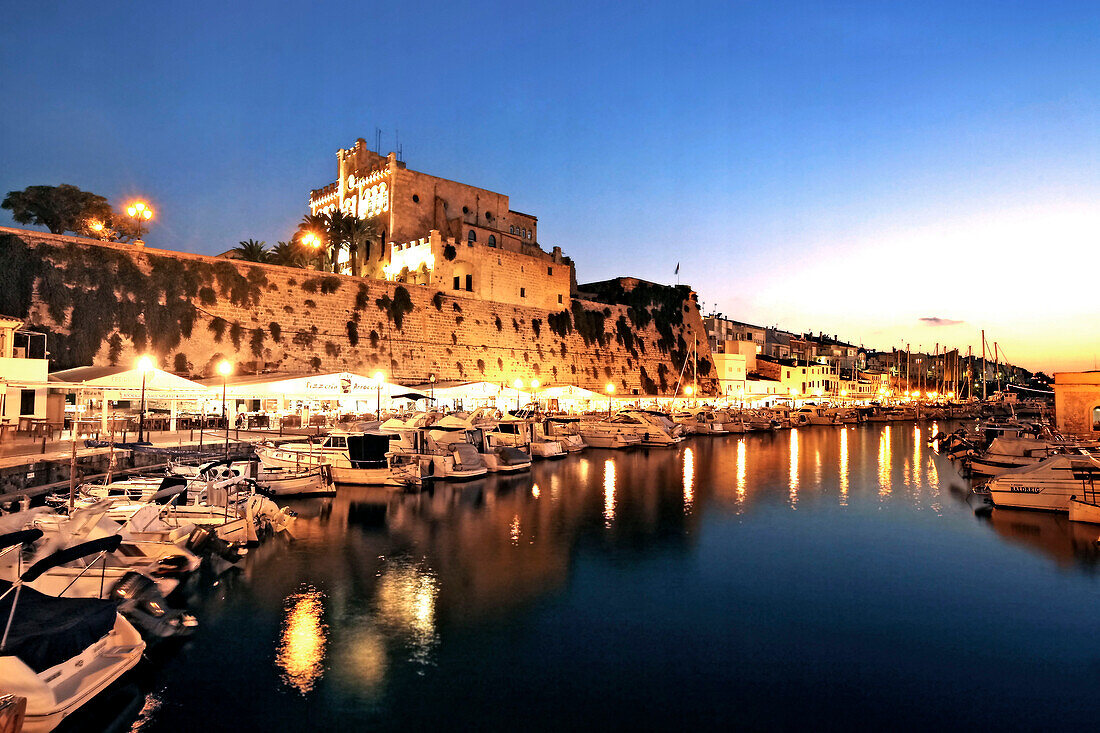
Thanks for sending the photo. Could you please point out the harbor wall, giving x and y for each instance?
(105, 303)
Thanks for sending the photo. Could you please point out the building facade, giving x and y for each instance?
(442, 232)
(23, 372)
(1077, 403)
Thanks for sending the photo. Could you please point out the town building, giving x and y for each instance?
(1077, 403)
(449, 235)
(23, 372)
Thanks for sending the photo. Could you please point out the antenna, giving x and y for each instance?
(377, 139)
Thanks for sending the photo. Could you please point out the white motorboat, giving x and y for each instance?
(451, 460)
(1047, 485)
(812, 416)
(701, 421)
(1005, 454)
(607, 433)
(495, 452)
(363, 458)
(653, 429)
(523, 435)
(565, 430)
(59, 653)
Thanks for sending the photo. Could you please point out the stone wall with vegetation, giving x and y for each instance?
(106, 303)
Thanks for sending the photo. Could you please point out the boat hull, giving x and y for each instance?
(1081, 511)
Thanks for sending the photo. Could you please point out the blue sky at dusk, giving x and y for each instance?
(847, 167)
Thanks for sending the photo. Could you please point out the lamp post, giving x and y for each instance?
(534, 392)
(610, 389)
(144, 364)
(379, 378)
(225, 369)
(310, 239)
(140, 212)
(688, 390)
(517, 385)
(431, 380)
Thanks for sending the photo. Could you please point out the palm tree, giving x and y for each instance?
(354, 234)
(251, 251)
(288, 254)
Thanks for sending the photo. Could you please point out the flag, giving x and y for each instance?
(677, 269)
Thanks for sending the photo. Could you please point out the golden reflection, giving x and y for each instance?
(916, 456)
(689, 480)
(406, 600)
(844, 466)
(555, 487)
(792, 470)
(740, 473)
(582, 470)
(301, 652)
(817, 468)
(513, 530)
(608, 492)
(535, 490)
(884, 462)
(933, 434)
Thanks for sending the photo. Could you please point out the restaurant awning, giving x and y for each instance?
(305, 385)
(124, 383)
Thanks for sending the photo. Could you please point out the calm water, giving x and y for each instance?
(824, 577)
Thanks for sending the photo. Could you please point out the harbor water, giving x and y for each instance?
(825, 577)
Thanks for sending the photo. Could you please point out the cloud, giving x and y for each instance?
(937, 321)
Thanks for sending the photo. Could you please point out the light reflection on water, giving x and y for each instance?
(792, 470)
(689, 480)
(433, 600)
(844, 466)
(884, 462)
(301, 652)
(741, 467)
(608, 492)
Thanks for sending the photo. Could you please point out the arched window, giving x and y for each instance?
(1096, 418)
(472, 237)
(492, 241)
(512, 229)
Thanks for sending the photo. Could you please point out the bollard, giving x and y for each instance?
(43, 444)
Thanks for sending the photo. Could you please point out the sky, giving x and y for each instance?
(889, 172)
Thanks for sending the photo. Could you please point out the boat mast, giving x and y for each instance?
(908, 385)
(983, 364)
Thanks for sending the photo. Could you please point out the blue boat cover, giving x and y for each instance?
(48, 630)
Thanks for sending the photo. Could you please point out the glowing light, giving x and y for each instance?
(792, 470)
(608, 492)
(688, 390)
(689, 480)
(916, 455)
(534, 384)
(379, 378)
(518, 384)
(301, 650)
(145, 364)
(225, 368)
(535, 490)
(844, 466)
(844, 392)
(311, 240)
(609, 388)
(95, 225)
(514, 531)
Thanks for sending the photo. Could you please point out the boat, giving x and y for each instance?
(1005, 454)
(496, 454)
(447, 459)
(812, 416)
(565, 430)
(360, 458)
(1048, 485)
(59, 653)
(701, 421)
(653, 429)
(605, 433)
(521, 433)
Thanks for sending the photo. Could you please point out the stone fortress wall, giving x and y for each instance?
(105, 303)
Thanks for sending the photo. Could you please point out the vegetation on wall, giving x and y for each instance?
(353, 333)
(589, 324)
(437, 301)
(561, 324)
(396, 307)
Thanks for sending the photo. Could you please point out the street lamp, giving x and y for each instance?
(534, 391)
(144, 364)
(140, 212)
(517, 386)
(225, 369)
(379, 378)
(610, 389)
(313, 240)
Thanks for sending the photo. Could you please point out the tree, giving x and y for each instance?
(60, 209)
(288, 254)
(317, 225)
(252, 251)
